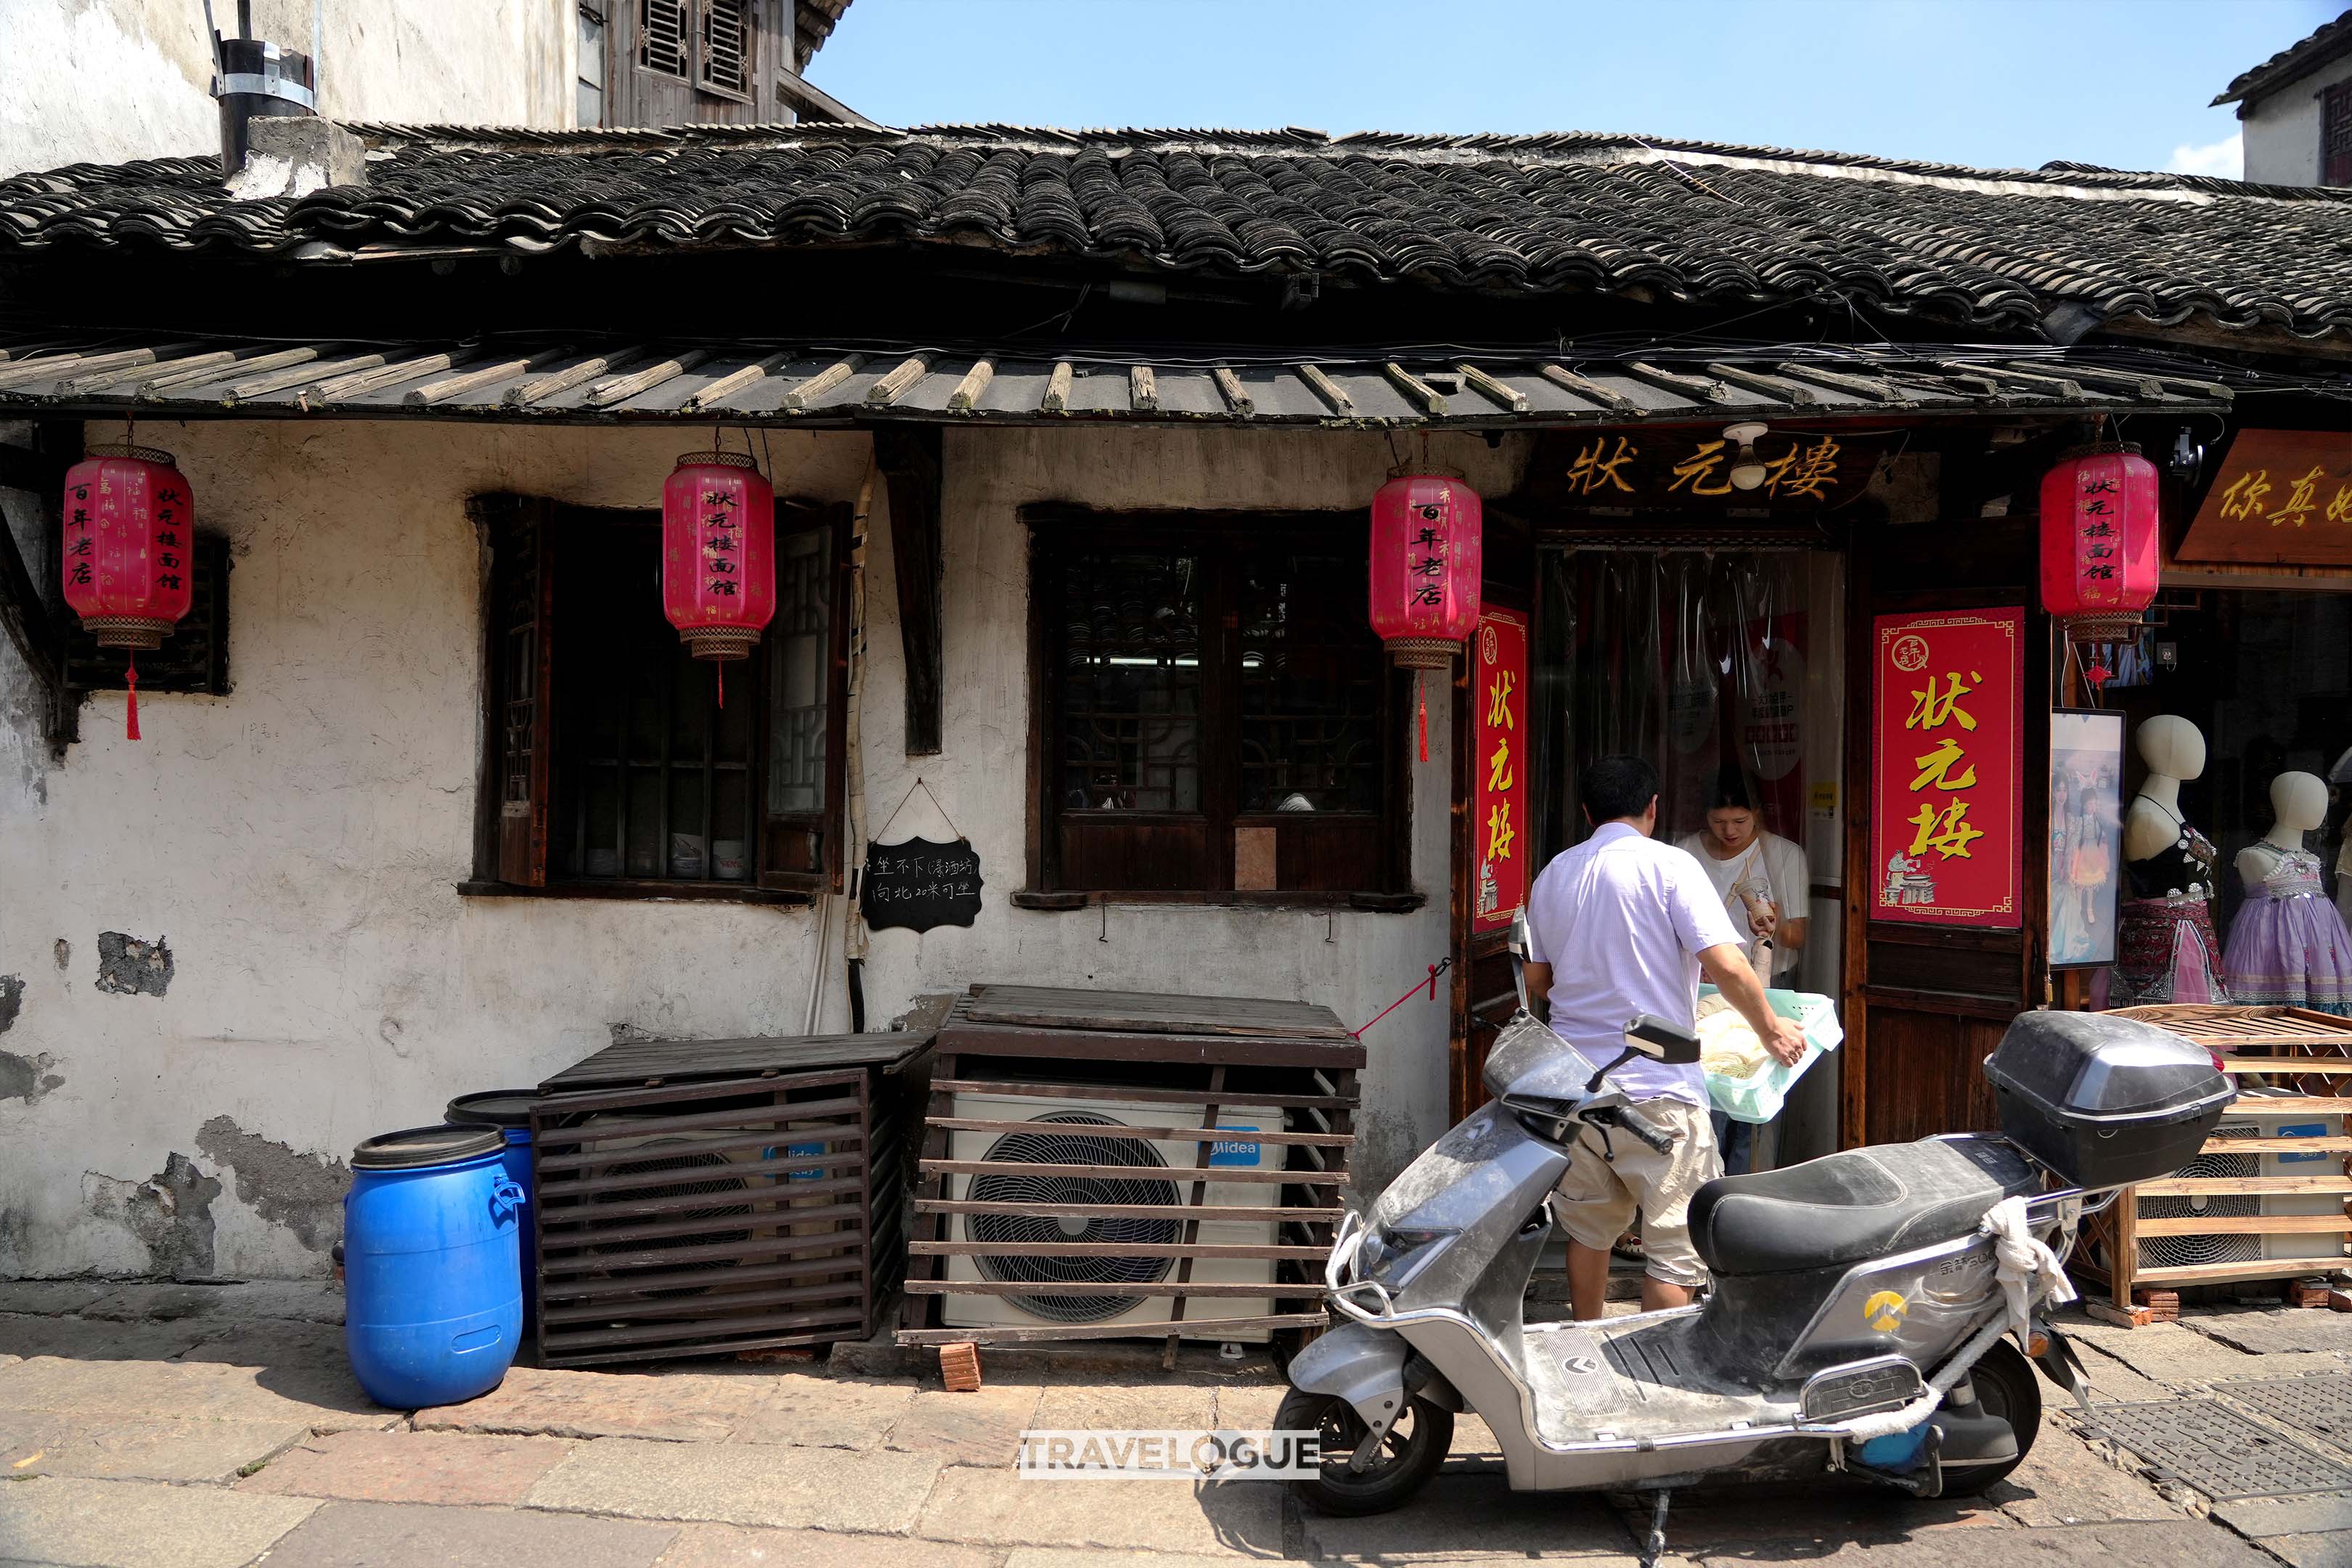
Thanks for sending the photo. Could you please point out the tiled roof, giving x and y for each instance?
(812, 23)
(2330, 40)
(581, 381)
(1711, 224)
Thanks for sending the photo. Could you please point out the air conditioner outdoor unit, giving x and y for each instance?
(2250, 1121)
(1042, 1141)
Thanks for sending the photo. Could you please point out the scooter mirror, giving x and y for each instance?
(1656, 1039)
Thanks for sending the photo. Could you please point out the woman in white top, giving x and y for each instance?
(1760, 874)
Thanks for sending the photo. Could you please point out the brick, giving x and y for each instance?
(800, 1488)
(411, 1467)
(61, 1518)
(997, 1508)
(376, 1534)
(58, 1443)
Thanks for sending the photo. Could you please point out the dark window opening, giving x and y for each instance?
(1215, 712)
(2336, 135)
(618, 766)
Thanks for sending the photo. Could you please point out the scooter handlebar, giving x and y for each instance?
(1638, 1124)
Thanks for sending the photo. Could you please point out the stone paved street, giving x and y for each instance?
(215, 1427)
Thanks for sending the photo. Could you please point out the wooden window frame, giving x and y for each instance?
(511, 850)
(2335, 134)
(1057, 530)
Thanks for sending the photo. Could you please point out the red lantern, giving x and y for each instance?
(1426, 551)
(129, 519)
(2099, 553)
(1427, 547)
(719, 553)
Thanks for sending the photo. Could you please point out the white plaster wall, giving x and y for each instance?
(2283, 134)
(297, 842)
(109, 81)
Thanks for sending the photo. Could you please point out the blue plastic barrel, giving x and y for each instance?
(432, 1284)
(509, 1111)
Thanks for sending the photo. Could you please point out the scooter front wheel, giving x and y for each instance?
(1410, 1452)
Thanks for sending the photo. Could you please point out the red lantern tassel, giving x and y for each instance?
(1420, 702)
(130, 712)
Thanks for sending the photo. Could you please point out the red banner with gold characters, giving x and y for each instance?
(1946, 812)
(1498, 757)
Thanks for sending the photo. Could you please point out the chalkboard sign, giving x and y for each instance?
(920, 884)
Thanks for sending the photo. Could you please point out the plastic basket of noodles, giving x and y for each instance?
(1742, 1080)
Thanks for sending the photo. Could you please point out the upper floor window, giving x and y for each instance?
(2336, 135)
(711, 43)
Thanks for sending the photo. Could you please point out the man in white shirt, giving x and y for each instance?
(1618, 926)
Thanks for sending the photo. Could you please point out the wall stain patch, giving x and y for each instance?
(27, 1079)
(129, 967)
(304, 1193)
(63, 951)
(171, 1212)
(12, 1000)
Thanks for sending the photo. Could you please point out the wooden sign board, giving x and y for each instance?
(2279, 497)
(920, 884)
(1947, 737)
(1804, 470)
(1498, 703)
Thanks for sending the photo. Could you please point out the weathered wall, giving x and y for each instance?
(106, 80)
(2283, 134)
(286, 855)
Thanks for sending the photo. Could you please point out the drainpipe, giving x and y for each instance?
(256, 79)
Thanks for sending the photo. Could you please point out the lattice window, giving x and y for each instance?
(1310, 688)
(1130, 699)
(800, 644)
(662, 32)
(2336, 135)
(727, 46)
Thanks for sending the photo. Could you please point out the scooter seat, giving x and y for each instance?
(1842, 1208)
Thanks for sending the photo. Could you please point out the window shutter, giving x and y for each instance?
(726, 54)
(661, 35)
(523, 604)
(808, 654)
(2336, 135)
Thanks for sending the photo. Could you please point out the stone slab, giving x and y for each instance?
(982, 1427)
(540, 1402)
(56, 1443)
(378, 1535)
(2261, 1517)
(1058, 1557)
(299, 1300)
(1474, 1519)
(2273, 1331)
(2187, 1543)
(800, 1488)
(88, 1339)
(1249, 1407)
(996, 1508)
(209, 1391)
(141, 1524)
(51, 1296)
(411, 1467)
(2065, 1482)
(2332, 1550)
(1160, 1405)
(826, 1411)
(734, 1546)
(2171, 1354)
(1813, 1518)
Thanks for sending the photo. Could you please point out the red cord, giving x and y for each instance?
(130, 684)
(1434, 971)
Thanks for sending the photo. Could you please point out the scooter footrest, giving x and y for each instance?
(1860, 1388)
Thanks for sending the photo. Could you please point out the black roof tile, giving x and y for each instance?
(1700, 222)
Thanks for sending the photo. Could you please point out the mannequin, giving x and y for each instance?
(2289, 947)
(2166, 951)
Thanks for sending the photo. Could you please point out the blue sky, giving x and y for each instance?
(1998, 83)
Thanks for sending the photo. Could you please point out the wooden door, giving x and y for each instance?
(1925, 1004)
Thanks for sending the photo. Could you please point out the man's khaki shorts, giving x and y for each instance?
(1598, 1197)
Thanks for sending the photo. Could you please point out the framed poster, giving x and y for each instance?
(1498, 692)
(1947, 694)
(2087, 834)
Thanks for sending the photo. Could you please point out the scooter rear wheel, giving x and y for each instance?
(2005, 1387)
(1410, 1453)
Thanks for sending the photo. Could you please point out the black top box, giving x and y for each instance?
(2105, 1101)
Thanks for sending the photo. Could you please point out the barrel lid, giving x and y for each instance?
(493, 1108)
(419, 1146)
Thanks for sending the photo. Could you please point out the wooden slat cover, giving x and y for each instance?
(1135, 1093)
(2287, 1066)
(2278, 1146)
(1206, 1331)
(1053, 1007)
(2295, 1104)
(2250, 1224)
(634, 1061)
(2241, 1186)
(2210, 1025)
(2213, 1273)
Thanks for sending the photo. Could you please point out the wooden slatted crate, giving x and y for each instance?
(1201, 1059)
(2293, 1048)
(697, 1198)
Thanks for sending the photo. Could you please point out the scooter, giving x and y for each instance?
(1873, 1312)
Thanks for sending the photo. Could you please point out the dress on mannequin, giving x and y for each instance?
(2288, 947)
(2166, 951)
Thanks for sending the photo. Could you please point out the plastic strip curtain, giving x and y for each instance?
(1689, 657)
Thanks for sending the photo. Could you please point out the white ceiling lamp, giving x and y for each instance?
(1748, 471)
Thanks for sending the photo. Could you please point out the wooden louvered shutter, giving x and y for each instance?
(662, 35)
(724, 62)
(522, 708)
